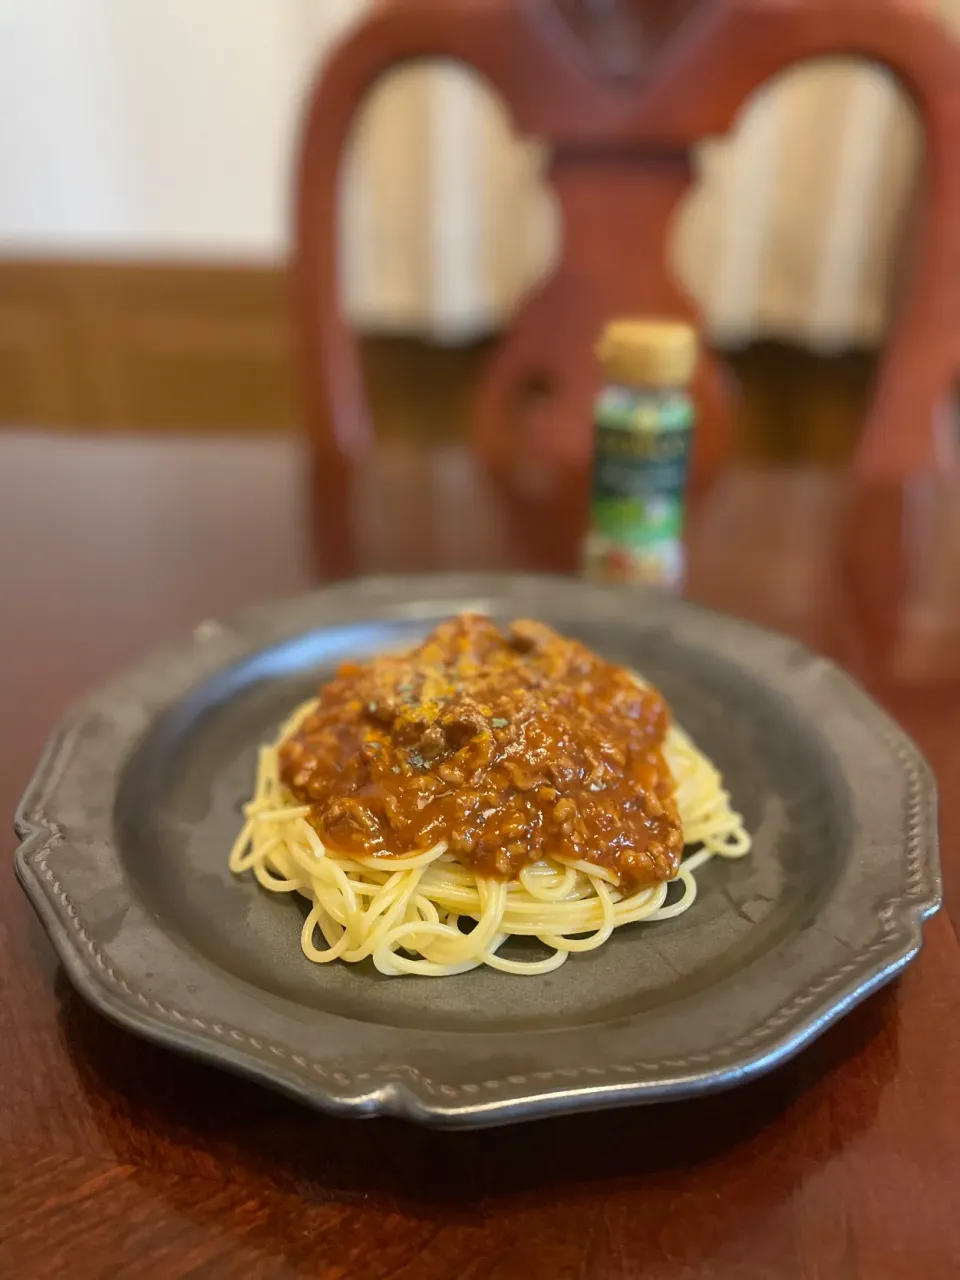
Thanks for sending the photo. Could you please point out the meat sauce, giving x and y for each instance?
(509, 745)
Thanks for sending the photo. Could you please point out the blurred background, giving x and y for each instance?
(146, 153)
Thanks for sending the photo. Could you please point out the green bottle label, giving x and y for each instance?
(639, 478)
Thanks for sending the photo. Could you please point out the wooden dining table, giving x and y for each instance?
(119, 1158)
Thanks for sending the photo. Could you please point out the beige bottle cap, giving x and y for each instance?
(659, 353)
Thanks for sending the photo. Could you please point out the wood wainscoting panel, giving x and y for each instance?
(124, 345)
(177, 346)
(38, 382)
(184, 347)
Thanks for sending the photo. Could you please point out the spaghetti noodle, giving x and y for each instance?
(435, 911)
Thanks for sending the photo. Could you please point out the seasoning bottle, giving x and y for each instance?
(644, 418)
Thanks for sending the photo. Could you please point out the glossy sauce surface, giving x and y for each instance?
(510, 745)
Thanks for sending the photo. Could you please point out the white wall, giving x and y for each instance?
(153, 127)
(165, 128)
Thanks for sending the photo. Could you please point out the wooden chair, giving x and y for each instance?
(621, 146)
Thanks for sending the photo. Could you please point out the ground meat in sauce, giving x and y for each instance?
(509, 744)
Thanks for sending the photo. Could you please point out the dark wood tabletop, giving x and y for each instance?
(118, 1158)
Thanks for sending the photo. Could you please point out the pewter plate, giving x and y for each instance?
(127, 824)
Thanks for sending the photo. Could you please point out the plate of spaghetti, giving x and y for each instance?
(490, 784)
(476, 848)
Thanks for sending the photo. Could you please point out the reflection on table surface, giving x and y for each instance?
(871, 574)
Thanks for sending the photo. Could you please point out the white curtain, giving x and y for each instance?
(792, 232)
